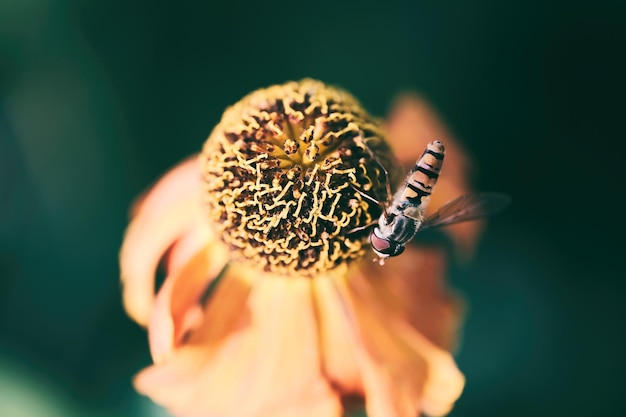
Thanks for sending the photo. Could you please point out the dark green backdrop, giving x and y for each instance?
(99, 98)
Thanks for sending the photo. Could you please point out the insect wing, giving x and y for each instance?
(467, 207)
(414, 213)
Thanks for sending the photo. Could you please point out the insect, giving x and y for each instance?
(403, 213)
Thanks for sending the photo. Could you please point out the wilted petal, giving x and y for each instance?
(415, 284)
(185, 248)
(265, 360)
(162, 216)
(402, 371)
(336, 337)
(178, 308)
(172, 382)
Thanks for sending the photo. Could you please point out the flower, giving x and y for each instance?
(267, 308)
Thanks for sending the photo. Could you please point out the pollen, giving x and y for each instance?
(282, 170)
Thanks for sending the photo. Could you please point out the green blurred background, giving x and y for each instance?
(97, 99)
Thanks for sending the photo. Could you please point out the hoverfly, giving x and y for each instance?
(403, 213)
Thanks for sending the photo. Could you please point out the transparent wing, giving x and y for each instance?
(467, 207)
(415, 213)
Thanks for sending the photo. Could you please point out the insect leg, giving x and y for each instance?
(358, 229)
(385, 172)
(367, 196)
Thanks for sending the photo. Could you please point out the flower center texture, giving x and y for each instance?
(281, 170)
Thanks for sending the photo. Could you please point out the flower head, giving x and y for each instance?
(266, 308)
(280, 170)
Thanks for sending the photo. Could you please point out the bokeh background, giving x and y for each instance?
(97, 99)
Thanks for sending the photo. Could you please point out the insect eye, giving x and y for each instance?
(380, 245)
(384, 246)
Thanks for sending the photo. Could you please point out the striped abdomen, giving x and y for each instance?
(423, 176)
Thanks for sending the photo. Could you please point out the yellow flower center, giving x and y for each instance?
(281, 170)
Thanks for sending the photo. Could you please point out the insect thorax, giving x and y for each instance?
(398, 227)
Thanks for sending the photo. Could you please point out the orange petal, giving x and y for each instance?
(189, 244)
(165, 214)
(178, 308)
(414, 284)
(266, 361)
(171, 382)
(412, 124)
(402, 372)
(336, 337)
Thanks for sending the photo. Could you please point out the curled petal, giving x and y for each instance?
(185, 248)
(166, 212)
(402, 370)
(414, 284)
(178, 306)
(261, 358)
(336, 337)
(171, 383)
